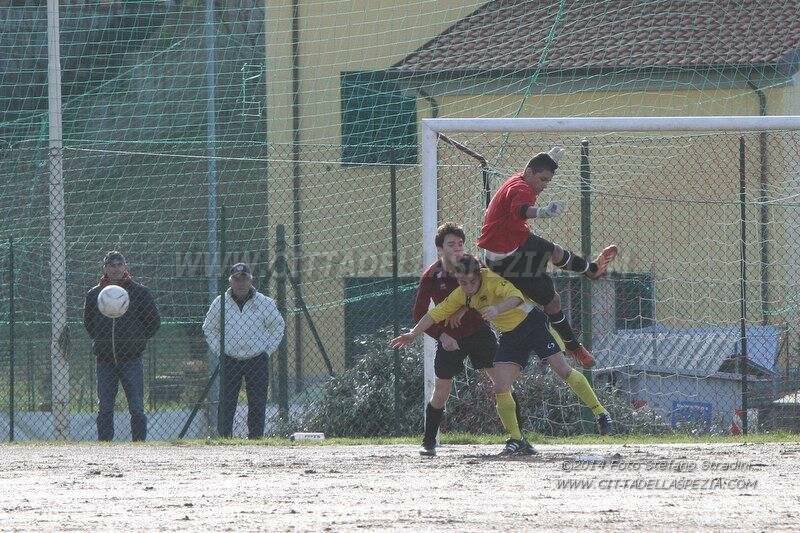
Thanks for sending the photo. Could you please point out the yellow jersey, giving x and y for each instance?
(493, 290)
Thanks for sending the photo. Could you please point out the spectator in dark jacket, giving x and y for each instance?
(118, 345)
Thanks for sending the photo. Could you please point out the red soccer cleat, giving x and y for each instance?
(582, 356)
(605, 257)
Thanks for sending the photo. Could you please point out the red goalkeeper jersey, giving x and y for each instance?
(505, 226)
(436, 284)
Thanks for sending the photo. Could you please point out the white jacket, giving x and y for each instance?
(254, 329)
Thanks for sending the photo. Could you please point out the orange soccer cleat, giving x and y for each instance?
(605, 257)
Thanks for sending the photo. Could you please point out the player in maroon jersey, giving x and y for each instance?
(470, 336)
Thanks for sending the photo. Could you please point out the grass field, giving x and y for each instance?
(647, 484)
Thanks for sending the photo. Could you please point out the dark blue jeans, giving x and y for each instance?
(255, 372)
(109, 376)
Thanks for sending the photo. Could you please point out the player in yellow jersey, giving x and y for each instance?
(523, 329)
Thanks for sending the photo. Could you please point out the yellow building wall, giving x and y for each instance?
(345, 215)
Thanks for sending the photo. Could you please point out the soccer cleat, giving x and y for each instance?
(527, 449)
(517, 447)
(582, 356)
(605, 257)
(604, 424)
(513, 446)
(428, 449)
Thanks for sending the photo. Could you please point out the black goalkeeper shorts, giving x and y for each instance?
(480, 347)
(526, 268)
(531, 336)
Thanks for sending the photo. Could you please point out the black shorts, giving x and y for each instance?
(533, 335)
(480, 347)
(526, 268)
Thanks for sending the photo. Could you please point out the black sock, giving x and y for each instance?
(517, 412)
(575, 263)
(433, 417)
(564, 330)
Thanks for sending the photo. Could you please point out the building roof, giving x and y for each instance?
(523, 35)
(701, 351)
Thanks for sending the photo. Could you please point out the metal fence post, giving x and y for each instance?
(395, 297)
(151, 375)
(280, 299)
(31, 372)
(586, 250)
(586, 243)
(223, 252)
(743, 282)
(11, 339)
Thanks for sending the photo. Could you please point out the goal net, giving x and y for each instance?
(305, 117)
(699, 255)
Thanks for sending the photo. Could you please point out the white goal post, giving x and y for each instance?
(432, 128)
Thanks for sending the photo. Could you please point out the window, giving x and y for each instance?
(377, 116)
(368, 308)
(634, 298)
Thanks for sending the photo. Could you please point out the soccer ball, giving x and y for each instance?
(113, 301)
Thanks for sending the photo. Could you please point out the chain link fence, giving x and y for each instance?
(334, 250)
(330, 279)
(703, 225)
(174, 155)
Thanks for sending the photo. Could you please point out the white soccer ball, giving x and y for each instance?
(113, 301)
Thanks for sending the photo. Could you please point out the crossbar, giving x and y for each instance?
(606, 124)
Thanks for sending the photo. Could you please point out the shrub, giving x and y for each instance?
(360, 401)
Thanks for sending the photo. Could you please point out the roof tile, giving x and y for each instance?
(513, 34)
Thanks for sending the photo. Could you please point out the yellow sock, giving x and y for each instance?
(506, 408)
(578, 383)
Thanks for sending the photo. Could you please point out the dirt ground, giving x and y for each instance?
(752, 487)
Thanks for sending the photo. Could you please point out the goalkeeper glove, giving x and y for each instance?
(556, 153)
(553, 209)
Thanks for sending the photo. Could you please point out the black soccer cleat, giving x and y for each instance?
(517, 447)
(527, 449)
(604, 424)
(428, 449)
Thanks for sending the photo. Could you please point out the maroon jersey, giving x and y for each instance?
(436, 284)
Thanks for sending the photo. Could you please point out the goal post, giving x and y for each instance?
(654, 128)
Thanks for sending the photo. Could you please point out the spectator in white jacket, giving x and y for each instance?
(253, 331)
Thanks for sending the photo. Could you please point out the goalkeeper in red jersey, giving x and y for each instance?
(521, 257)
